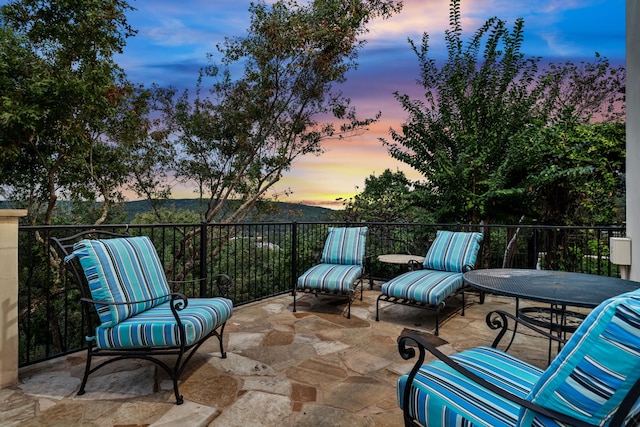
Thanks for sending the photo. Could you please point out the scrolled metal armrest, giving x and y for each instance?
(179, 301)
(224, 285)
(424, 345)
(103, 302)
(405, 352)
(413, 265)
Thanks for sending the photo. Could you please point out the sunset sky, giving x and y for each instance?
(175, 36)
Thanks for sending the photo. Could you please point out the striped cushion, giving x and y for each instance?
(453, 251)
(122, 270)
(597, 367)
(425, 286)
(442, 397)
(157, 326)
(344, 246)
(330, 277)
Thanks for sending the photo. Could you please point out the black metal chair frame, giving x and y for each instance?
(178, 302)
(498, 320)
(359, 283)
(412, 266)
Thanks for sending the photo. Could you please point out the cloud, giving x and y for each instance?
(175, 36)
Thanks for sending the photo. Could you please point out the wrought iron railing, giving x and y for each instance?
(264, 260)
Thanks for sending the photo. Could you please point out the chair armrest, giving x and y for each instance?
(499, 319)
(178, 301)
(176, 295)
(223, 283)
(408, 352)
(414, 265)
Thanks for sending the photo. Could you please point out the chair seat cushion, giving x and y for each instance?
(424, 286)
(440, 396)
(330, 278)
(157, 327)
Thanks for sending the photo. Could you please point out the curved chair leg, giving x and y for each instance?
(87, 370)
(220, 335)
(294, 299)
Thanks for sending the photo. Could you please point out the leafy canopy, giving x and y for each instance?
(237, 137)
(62, 102)
(486, 107)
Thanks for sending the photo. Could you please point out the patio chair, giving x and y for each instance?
(440, 277)
(139, 316)
(593, 381)
(341, 266)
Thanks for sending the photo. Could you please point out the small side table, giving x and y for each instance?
(400, 259)
(412, 262)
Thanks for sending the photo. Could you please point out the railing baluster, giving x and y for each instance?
(265, 259)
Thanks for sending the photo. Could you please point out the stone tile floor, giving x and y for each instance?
(310, 368)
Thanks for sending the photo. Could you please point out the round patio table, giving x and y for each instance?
(548, 286)
(559, 289)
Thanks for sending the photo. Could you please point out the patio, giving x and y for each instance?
(311, 368)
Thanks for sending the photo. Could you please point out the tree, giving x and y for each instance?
(573, 174)
(385, 198)
(236, 140)
(63, 103)
(483, 109)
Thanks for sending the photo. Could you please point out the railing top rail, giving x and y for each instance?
(431, 225)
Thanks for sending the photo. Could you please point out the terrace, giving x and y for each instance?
(313, 367)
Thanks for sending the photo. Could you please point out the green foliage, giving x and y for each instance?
(235, 139)
(568, 174)
(62, 102)
(385, 198)
(479, 135)
(167, 215)
(188, 210)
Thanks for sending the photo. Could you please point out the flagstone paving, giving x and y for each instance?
(314, 367)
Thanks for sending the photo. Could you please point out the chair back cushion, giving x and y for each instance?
(122, 270)
(345, 246)
(453, 251)
(597, 367)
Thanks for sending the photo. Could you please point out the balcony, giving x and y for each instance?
(313, 367)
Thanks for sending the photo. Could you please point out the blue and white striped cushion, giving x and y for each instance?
(425, 286)
(345, 246)
(440, 396)
(157, 327)
(597, 367)
(122, 270)
(331, 277)
(453, 251)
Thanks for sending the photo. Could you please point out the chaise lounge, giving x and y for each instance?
(449, 256)
(139, 316)
(341, 267)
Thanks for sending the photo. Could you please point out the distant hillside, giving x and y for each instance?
(267, 211)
